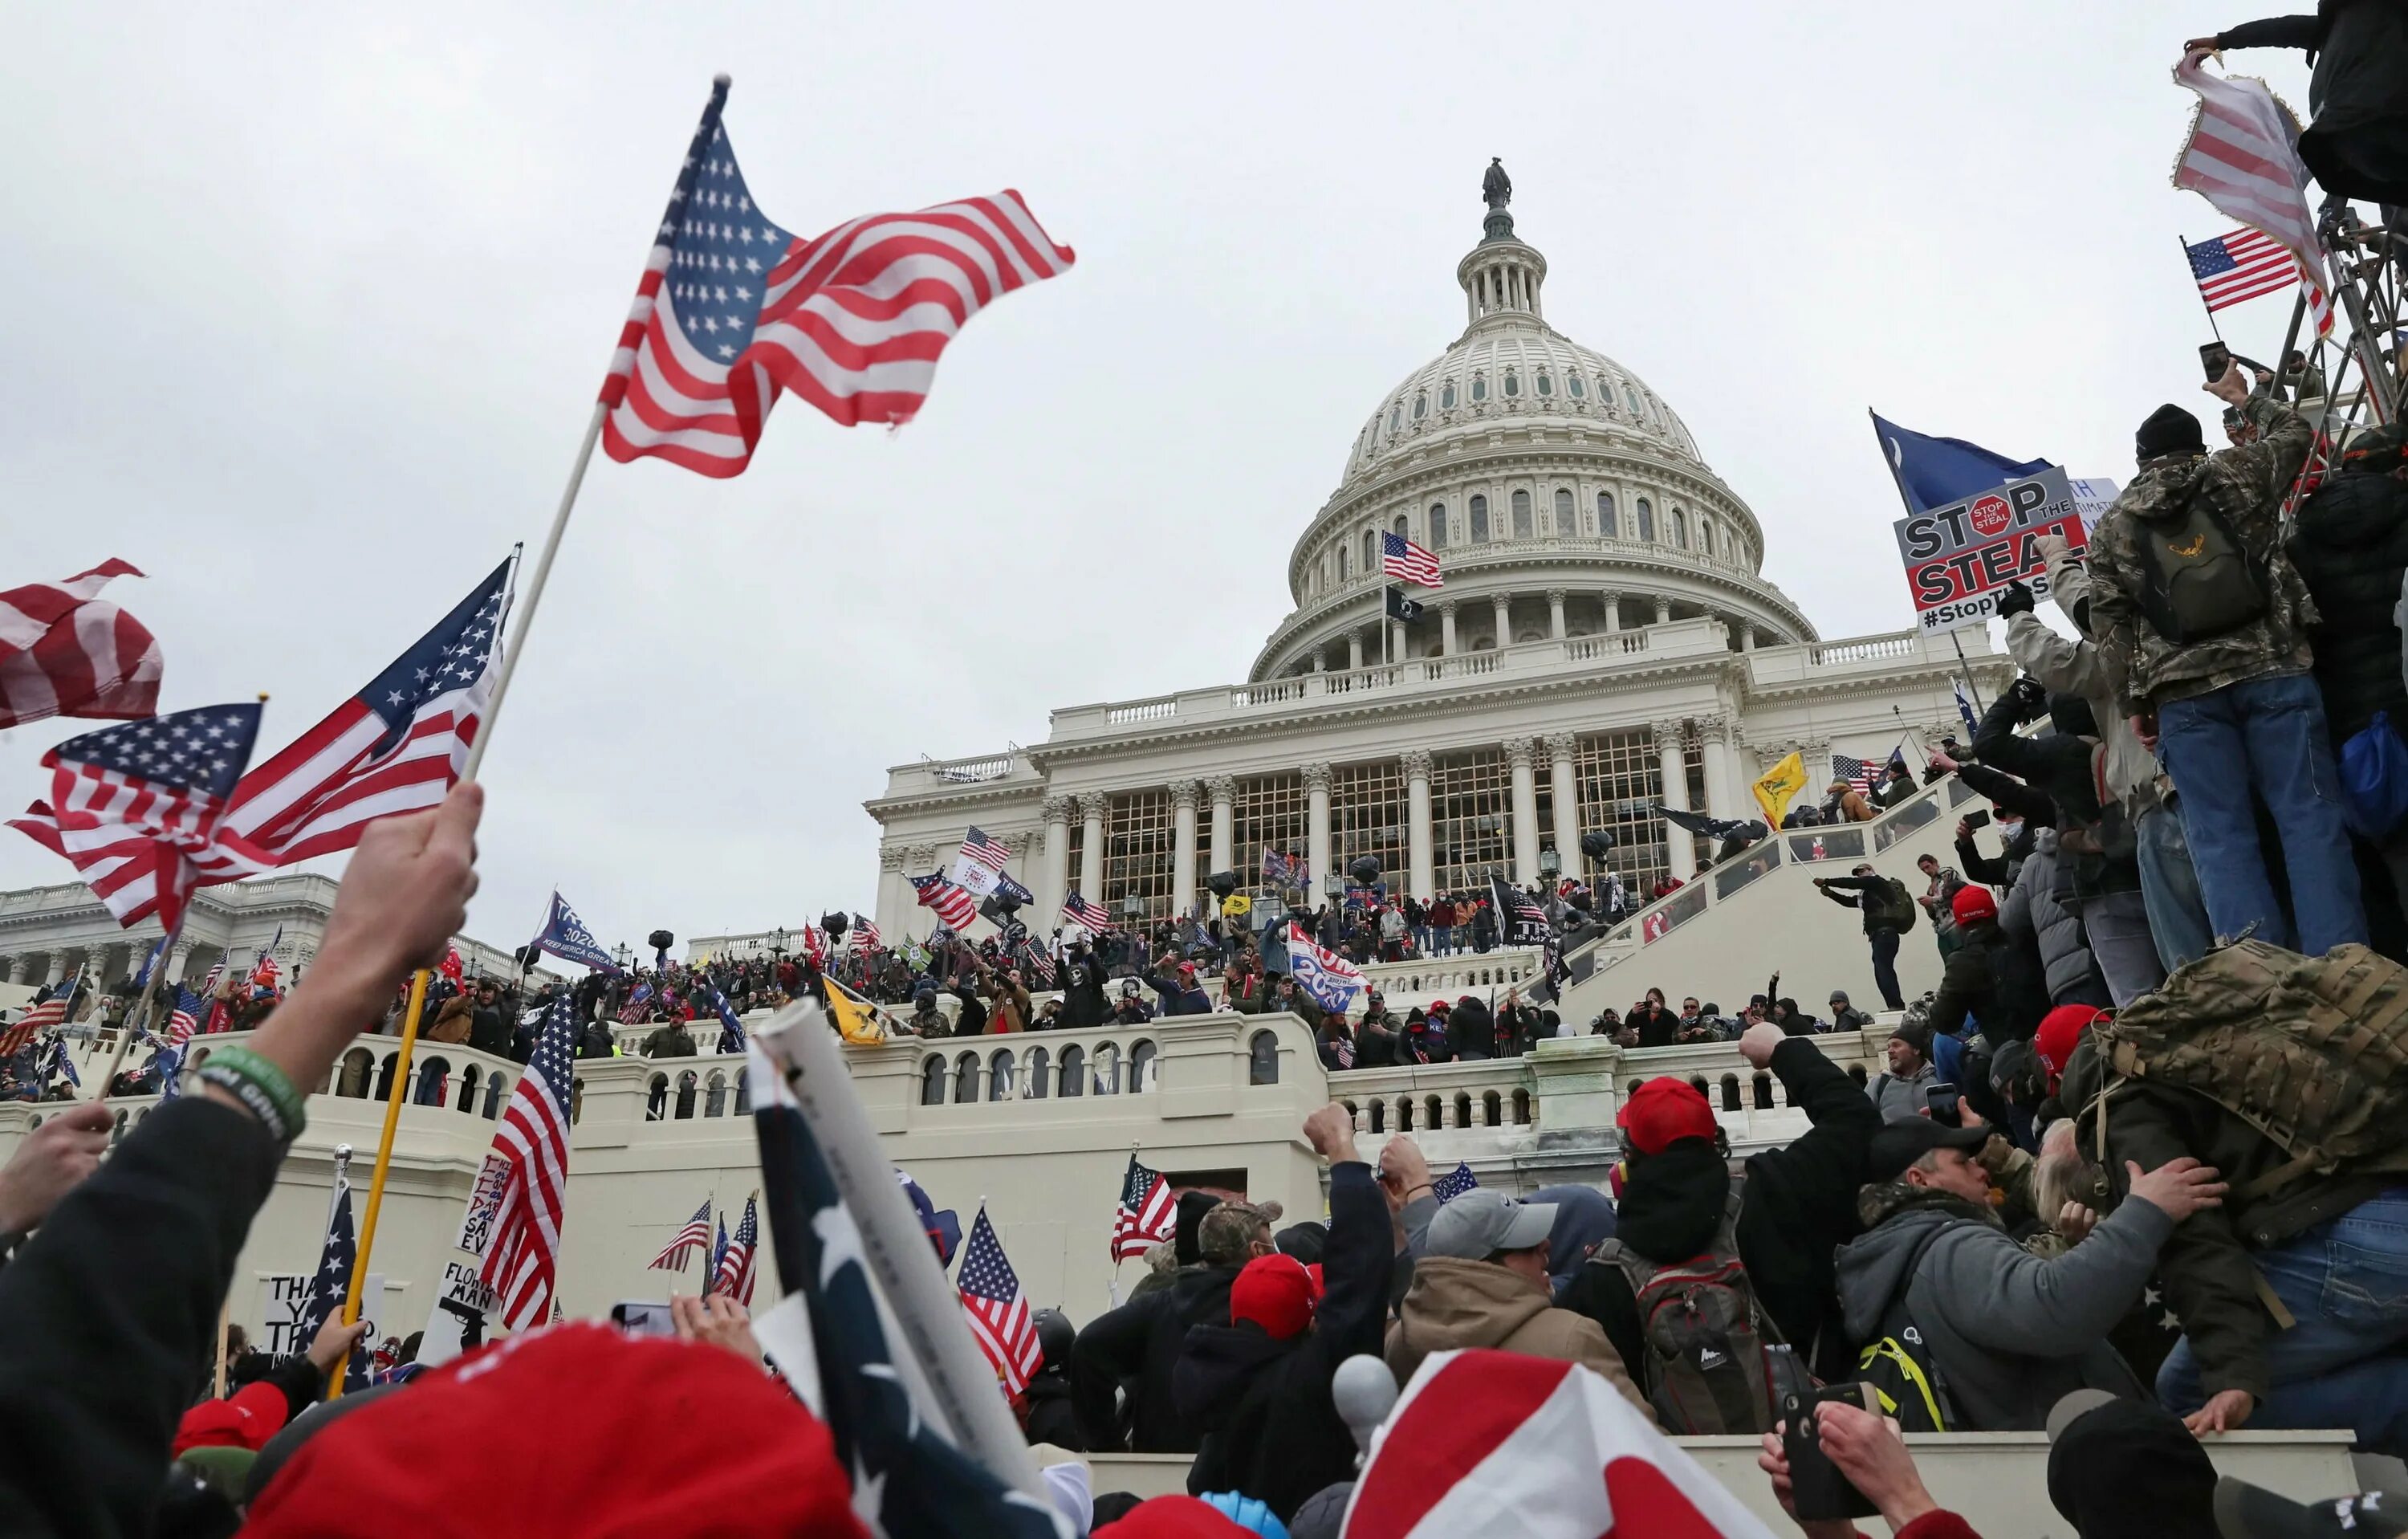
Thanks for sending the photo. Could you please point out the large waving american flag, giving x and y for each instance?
(141, 809)
(1000, 1320)
(522, 1261)
(679, 1252)
(954, 908)
(47, 1015)
(1407, 562)
(64, 653)
(733, 309)
(1147, 1213)
(734, 1274)
(1091, 916)
(2240, 155)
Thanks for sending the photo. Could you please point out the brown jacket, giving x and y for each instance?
(1456, 1303)
(451, 1021)
(1854, 808)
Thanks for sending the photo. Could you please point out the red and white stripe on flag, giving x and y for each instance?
(1500, 1442)
(2240, 155)
(65, 654)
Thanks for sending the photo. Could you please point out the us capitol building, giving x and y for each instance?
(1605, 641)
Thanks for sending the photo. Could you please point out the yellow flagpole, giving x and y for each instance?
(383, 1163)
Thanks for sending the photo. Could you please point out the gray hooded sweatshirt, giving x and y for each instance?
(2011, 1333)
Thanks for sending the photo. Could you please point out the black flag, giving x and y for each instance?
(1400, 607)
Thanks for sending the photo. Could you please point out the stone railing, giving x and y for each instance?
(1483, 1093)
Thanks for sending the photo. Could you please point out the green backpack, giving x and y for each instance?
(1891, 904)
(2197, 578)
(2311, 1051)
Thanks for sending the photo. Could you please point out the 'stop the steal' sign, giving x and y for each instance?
(1960, 558)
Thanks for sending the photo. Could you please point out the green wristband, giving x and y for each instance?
(261, 1086)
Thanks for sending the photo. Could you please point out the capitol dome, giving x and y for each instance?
(1562, 497)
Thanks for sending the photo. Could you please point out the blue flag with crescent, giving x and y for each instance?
(1934, 472)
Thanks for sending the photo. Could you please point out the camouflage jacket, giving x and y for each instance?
(2246, 485)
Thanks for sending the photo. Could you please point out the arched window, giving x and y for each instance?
(1438, 526)
(1479, 387)
(1646, 520)
(1397, 418)
(1001, 1069)
(1546, 385)
(685, 1083)
(1492, 1106)
(1074, 1070)
(1479, 520)
(1446, 396)
(1107, 1070)
(1731, 1093)
(1567, 520)
(1513, 382)
(468, 1078)
(1680, 529)
(357, 1063)
(1344, 556)
(1421, 404)
(1463, 1109)
(1706, 533)
(966, 1079)
(743, 1095)
(1371, 552)
(656, 1096)
(1521, 1108)
(1521, 513)
(1763, 1092)
(1579, 391)
(430, 1075)
(1040, 1069)
(1262, 1058)
(497, 1093)
(1404, 528)
(714, 1095)
(1604, 392)
(1430, 1104)
(1606, 524)
(1141, 1056)
(932, 1081)
(1630, 394)
(1379, 1116)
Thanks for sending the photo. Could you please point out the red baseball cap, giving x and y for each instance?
(2059, 1032)
(1277, 1293)
(1973, 904)
(245, 1419)
(1661, 1112)
(601, 1433)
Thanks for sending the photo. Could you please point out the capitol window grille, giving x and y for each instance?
(1438, 526)
(1620, 781)
(1075, 863)
(1521, 513)
(1606, 524)
(1269, 813)
(1471, 819)
(1566, 522)
(1367, 816)
(1138, 838)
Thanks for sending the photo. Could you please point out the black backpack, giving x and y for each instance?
(1713, 1362)
(2198, 580)
(1888, 902)
(1907, 1384)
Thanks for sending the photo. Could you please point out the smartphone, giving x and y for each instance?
(1945, 1099)
(643, 1318)
(1816, 1488)
(1978, 818)
(2215, 358)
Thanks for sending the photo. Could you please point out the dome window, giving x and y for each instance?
(1604, 392)
(1606, 524)
(1421, 404)
(1646, 524)
(1630, 395)
(1546, 387)
(1371, 550)
(1479, 387)
(1395, 418)
(1567, 520)
(1479, 510)
(1680, 529)
(1513, 382)
(1343, 557)
(1446, 396)
(1438, 526)
(1706, 533)
(1521, 503)
(1573, 383)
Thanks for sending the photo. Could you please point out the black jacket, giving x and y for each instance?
(1799, 1205)
(1992, 975)
(1858, 895)
(1051, 1416)
(109, 1313)
(1084, 1004)
(1139, 1344)
(489, 1030)
(1656, 1026)
(2350, 547)
(1273, 1428)
(2359, 92)
(1472, 1029)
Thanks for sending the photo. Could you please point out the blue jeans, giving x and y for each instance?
(2169, 888)
(2346, 1283)
(2267, 736)
(1885, 948)
(1421, 941)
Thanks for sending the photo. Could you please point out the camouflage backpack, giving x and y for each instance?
(2311, 1051)
(1715, 1362)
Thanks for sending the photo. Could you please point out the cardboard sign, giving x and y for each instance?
(463, 1315)
(1960, 558)
(284, 1300)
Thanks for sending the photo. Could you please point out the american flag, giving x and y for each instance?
(718, 1254)
(142, 809)
(1092, 917)
(1520, 920)
(1147, 1213)
(2241, 157)
(1455, 1183)
(331, 1281)
(733, 310)
(1407, 562)
(1000, 1320)
(397, 746)
(954, 908)
(1864, 774)
(1284, 871)
(217, 970)
(2241, 266)
(524, 1255)
(985, 851)
(63, 652)
(734, 1277)
(638, 1005)
(910, 1480)
(679, 1252)
(183, 1017)
(865, 934)
(50, 1011)
(1039, 965)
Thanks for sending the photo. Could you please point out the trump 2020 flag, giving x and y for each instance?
(1498, 1443)
(563, 935)
(1329, 978)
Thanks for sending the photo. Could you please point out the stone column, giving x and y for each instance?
(1556, 613)
(1504, 606)
(1674, 765)
(1354, 650)
(893, 908)
(1422, 869)
(1612, 609)
(1446, 628)
(1560, 747)
(1525, 809)
(1396, 653)
(1182, 845)
(39, 967)
(1091, 848)
(1056, 883)
(1320, 660)
(1663, 609)
(1747, 637)
(1224, 791)
(1316, 825)
(8, 969)
(1719, 793)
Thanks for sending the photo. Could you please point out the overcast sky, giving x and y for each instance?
(311, 306)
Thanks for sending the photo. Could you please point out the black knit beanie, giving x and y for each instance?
(2168, 430)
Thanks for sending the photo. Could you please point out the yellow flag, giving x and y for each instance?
(853, 1021)
(1780, 782)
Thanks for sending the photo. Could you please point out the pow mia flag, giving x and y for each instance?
(1400, 607)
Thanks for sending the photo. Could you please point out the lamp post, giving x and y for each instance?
(778, 943)
(623, 955)
(1551, 864)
